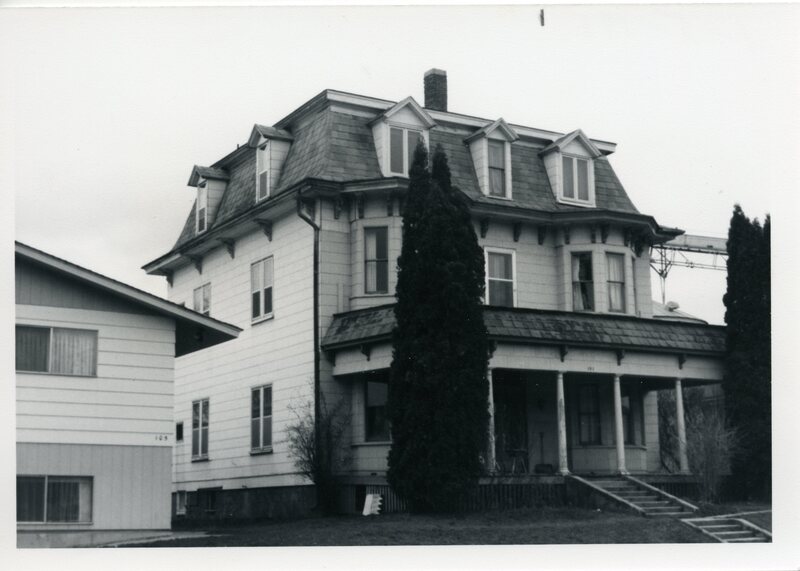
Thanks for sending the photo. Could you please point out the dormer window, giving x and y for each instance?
(569, 161)
(490, 148)
(402, 142)
(202, 207)
(262, 171)
(576, 178)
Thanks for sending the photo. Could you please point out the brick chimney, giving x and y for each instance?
(436, 89)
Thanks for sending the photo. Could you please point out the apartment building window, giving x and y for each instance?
(616, 282)
(500, 278)
(588, 414)
(582, 282)
(262, 172)
(179, 432)
(56, 350)
(261, 418)
(575, 184)
(633, 281)
(62, 499)
(497, 168)
(376, 426)
(202, 299)
(261, 278)
(402, 143)
(376, 260)
(200, 429)
(202, 207)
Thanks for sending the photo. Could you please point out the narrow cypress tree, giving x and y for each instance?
(748, 363)
(438, 387)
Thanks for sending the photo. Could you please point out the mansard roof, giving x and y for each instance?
(507, 130)
(337, 146)
(547, 328)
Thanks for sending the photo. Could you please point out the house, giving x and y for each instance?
(94, 387)
(293, 237)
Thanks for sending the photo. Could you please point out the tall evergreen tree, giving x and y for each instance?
(748, 363)
(438, 390)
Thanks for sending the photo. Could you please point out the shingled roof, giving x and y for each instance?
(339, 147)
(547, 328)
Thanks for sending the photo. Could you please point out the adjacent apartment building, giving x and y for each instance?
(294, 237)
(94, 399)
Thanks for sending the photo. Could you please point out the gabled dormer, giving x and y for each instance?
(210, 184)
(569, 161)
(490, 148)
(272, 146)
(396, 133)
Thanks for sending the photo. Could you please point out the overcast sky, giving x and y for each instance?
(109, 109)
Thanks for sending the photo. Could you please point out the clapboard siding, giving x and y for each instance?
(35, 285)
(84, 410)
(131, 484)
(277, 352)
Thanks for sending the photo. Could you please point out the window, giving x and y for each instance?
(202, 299)
(202, 207)
(180, 502)
(56, 350)
(582, 284)
(588, 414)
(261, 418)
(262, 172)
(376, 260)
(633, 281)
(497, 168)
(500, 278)
(575, 178)
(376, 426)
(632, 408)
(261, 289)
(54, 499)
(616, 282)
(179, 432)
(200, 429)
(402, 143)
(627, 419)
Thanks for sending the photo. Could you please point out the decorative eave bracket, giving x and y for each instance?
(517, 230)
(484, 227)
(230, 246)
(562, 352)
(198, 263)
(266, 227)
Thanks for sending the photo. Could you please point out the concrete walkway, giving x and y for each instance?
(167, 536)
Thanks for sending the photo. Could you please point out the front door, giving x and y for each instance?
(511, 425)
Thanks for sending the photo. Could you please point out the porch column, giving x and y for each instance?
(492, 453)
(563, 468)
(682, 454)
(619, 432)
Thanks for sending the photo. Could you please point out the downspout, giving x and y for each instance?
(317, 410)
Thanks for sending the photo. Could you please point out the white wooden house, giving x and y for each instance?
(94, 389)
(294, 238)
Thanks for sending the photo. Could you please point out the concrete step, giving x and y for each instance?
(653, 504)
(716, 528)
(756, 539)
(664, 514)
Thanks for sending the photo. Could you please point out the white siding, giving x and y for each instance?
(129, 400)
(278, 351)
(277, 155)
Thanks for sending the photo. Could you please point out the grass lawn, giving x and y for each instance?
(524, 526)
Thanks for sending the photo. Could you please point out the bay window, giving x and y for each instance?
(582, 282)
(376, 260)
(200, 429)
(56, 350)
(376, 426)
(615, 282)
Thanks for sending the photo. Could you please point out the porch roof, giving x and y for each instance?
(544, 327)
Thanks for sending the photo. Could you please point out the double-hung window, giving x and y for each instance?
(500, 278)
(202, 207)
(402, 143)
(261, 278)
(376, 260)
(261, 418)
(56, 350)
(376, 426)
(616, 282)
(582, 282)
(588, 414)
(575, 180)
(62, 499)
(497, 168)
(202, 299)
(200, 429)
(262, 172)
